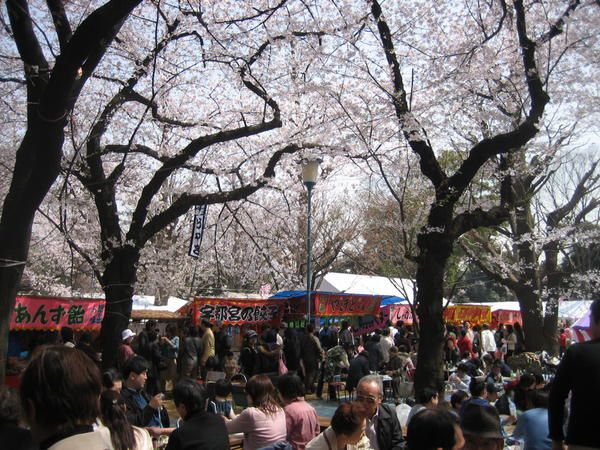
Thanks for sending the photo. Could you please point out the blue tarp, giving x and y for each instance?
(386, 300)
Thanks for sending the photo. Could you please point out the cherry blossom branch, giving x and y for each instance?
(61, 22)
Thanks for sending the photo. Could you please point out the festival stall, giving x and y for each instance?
(580, 330)
(475, 314)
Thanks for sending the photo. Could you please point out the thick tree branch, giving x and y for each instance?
(27, 43)
(557, 27)
(61, 22)
(503, 276)
(469, 220)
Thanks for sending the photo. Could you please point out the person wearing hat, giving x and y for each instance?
(249, 355)
(124, 352)
(481, 428)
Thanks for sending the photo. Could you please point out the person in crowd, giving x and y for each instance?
(393, 330)
(373, 347)
(520, 345)
(154, 363)
(481, 428)
(207, 360)
(468, 330)
(142, 343)
(495, 376)
(68, 339)
(433, 429)
(12, 435)
(510, 340)
(399, 368)
(478, 394)
(269, 352)
(359, 367)
(142, 410)
(456, 401)
(230, 365)
(491, 393)
(562, 342)
(426, 399)
(124, 352)
(451, 355)
(385, 343)
(383, 428)
(500, 335)
(324, 336)
(346, 336)
(112, 380)
(221, 404)
(311, 353)
(249, 356)
(169, 348)
(579, 374)
(525, 384)
(124, 436)
(291, 349)
(488, 342)
(189, 353)
(264, 422)
(222, 344)
(301, 418)
(60, 389)
(460, 379)
(280, 333)
(402, 338)
(200, 430)
(532, 425)
(465, 344)
(85, 345)
(346, 432)
(336, 359)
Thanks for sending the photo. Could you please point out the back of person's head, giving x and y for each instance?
(595, 311)
(150, 325)
(191, 395)
(192, 331)
(310, 328)
(60, 389)
(432, 429)
(463, 333)
(348, 418)
(476, 388)
(222, 388)
(85, 339)
(509, 328)
(527, 381)
(385, 332)
(112, 413)
(10, 409)
(426, 395)
(481, 427)
(263, 394)
(538, 398)
(290, 386)
(136, 364)
(457, 398)
(462, 367)
(271, 336)
(66, 334)
(485, 326)
(344, 324)
(205, 323)
(375, 338)
(109, 377)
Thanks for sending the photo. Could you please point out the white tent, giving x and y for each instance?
(567, 309)
(366, 284)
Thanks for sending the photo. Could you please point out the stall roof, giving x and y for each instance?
(567, 309)
(386, 299)
(366, 285)
(146, 302)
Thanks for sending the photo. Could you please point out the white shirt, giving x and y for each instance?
(459, 384)
(371, 430)
(385, 344)
(393, 331)
(488, 343)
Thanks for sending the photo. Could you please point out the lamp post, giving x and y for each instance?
(310, 172)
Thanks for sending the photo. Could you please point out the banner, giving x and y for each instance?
(401, 313)
(197, 230)
(238, 311)
(475, 314)
(505, 316)
(53, 313)
(346, 304)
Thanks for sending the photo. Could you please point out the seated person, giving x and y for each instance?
(532, 426)
(200, 430)
(230, 366)
(456, 401)
(221, 405)
(12, 435)
(459, 380)
(302, 422)
(433, 429)
(347, 430)
(142, 410)
(481, 428)
(428, 399)
(495, 375)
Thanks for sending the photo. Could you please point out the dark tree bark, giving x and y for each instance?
(51, 95)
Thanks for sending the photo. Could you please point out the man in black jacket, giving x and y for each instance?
(578, 373)
(200, 430)
(383, 428)
(359, 367)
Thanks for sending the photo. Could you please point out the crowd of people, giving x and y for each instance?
(67, 403)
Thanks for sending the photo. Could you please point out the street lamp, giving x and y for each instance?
(310, 172)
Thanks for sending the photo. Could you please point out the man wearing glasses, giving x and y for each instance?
(383, 428)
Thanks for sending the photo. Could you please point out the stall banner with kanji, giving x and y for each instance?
(505, 316)
(475, 314)
(346, 304)
(53, 313)
(238, 311)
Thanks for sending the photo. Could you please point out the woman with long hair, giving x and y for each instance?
(263, 423)
(123, 435)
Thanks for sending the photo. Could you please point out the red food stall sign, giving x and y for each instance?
(346, 305)
(238, 311)
(53, 313)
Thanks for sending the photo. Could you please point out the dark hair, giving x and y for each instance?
(222, 388)
(431, 429)
(151, 324)
(517, 326)
(85, 338)
(190, 394)
(10, 409)
(310, 328)
(112, 413)
(206, 323)
(192, 331)
(152, 336)
(426, 395)
(171, 328)
(63, 385)
(385, 331)
(463, 367)
(263, 394)
(457, 398)
(476, 388)
(348, 417)
(290, 386)
(136, 364)
(595, 311)
(509, 328)
(526, 380)
(109, 377)
(345, 324)
(229, 354)
(539, 398)
(66, 333)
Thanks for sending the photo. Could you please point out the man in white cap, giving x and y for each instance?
(125, 351)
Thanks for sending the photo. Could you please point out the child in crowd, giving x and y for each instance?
(230, 366)
(221, 405)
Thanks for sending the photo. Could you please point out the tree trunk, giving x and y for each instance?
(435, 250)
(118, 282)
(36, 168)
(533, 322)
(553, 283)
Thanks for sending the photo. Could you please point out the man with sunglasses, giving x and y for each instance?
(383, 428)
